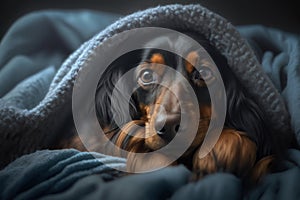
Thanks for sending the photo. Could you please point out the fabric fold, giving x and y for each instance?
(36, 104)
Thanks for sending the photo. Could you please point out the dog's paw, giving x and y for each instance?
(234, 152)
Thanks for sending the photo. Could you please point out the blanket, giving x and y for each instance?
(279, 55)
(36, 79)
(49, 172)
(69, 174)
(34, 86)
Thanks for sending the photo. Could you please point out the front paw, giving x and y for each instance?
(234, 152)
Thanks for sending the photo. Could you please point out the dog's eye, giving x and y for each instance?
(147, 77)
(204, 74)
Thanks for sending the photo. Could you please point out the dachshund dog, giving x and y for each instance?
(246, 146)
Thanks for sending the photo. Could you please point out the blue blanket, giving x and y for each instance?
(279, 53)
(50, 172)
(36, 77)
(69, 174)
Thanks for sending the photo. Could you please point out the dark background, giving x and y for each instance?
(283, 14)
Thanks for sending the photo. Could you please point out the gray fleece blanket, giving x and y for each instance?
(37, 72)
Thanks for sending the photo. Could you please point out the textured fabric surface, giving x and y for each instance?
(69, 174)
(279, 54)
(32, 114)
(38, 124)
(48, 172)
(37, 73)
(217, 186)
(40, 121)
(281, 185)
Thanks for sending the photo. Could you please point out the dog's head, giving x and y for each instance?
(161, 99)
(165, 98)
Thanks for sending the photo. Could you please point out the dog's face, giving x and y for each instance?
(165, 100)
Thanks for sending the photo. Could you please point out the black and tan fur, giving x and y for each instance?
(246, 146)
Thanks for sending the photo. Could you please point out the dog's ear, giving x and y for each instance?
(243, 113)
(111, 101)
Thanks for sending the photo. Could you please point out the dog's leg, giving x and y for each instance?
(234, 152)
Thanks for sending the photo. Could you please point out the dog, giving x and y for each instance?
(246, 146)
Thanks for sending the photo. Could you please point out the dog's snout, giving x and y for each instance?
(167, 126)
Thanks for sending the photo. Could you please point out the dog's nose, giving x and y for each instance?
(167, 125)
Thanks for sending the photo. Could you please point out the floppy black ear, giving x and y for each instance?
(108, 109)
(243, 113)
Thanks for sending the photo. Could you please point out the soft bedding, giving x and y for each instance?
(39, 59)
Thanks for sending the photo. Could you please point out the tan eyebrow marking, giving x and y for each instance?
(157, 64)
(157, 58)
(191, 60)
